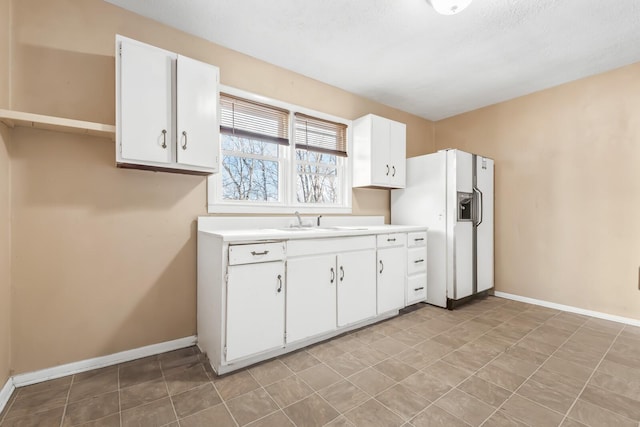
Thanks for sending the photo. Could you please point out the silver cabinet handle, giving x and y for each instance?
(381, 267)
(418, 261)
(419, 289)
(394, 171)
(184, 133)
(164, 138)
(419, 239)
(254, 253)
(279, 283)
(391, 240)
(333, 275)
(341, 273)
(387, 170)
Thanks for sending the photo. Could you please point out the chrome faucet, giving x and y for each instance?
(297, 214)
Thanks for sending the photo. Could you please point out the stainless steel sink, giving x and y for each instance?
(302, 229)
(347, 227)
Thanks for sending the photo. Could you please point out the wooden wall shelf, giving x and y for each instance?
(17, 118)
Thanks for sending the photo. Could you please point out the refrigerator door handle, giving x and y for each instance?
(480, 206)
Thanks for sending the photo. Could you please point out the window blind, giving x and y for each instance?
(248, 119)
(319, 135)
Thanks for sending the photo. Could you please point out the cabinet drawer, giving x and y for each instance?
(259, 252)
(389, 240)
(416, 260)
(418, 238)
(416, 288)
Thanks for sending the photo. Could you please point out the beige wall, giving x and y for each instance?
(567, 190)
(5, 195)
(103, 258)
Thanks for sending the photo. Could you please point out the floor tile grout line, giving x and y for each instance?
(537, 369)
(271, 397)
(66, 403)
(420, 370)
(164, 380)
(119, 396)
(473, 373)
(591, 376)
(483, 366)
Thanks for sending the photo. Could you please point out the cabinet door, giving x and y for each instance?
(397, 154)
(146, 101)
(391, 278)
(380, 161)
(197, 113)
(255, 308)
(311, 296)
(356, 286)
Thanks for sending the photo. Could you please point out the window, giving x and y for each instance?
(278, 157)
(251, 135)
(318, 144)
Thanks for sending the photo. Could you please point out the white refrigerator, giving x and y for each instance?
(451, 192)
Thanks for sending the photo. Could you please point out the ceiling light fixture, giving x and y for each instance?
(449, 7)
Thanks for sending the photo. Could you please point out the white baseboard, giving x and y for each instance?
(5, 393)
(29, 378)
(570, 309)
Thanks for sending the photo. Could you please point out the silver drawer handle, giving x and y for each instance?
(419, 289)
(420, 239)
(254, 253)
(391, 240)
(418, 261)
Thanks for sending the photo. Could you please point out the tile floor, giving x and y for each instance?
(493, 362)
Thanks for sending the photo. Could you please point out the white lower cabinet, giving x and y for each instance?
(261, 298)
(255, 308)
(356, 286)
(391, 267)
(332, 288)
(311, 298)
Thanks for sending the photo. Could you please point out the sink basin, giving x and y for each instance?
(346, 227)
(319, 229)
(294, 229)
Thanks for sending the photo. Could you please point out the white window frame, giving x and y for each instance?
(288, 181)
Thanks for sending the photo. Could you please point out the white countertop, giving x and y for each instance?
(251, 235)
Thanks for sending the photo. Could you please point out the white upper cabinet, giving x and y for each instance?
(167, 110)
(197, 114)
(379, 152)
(146, 104)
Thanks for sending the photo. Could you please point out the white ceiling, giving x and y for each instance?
(403, 54)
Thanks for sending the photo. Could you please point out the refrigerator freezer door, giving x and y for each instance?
(484, 239)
